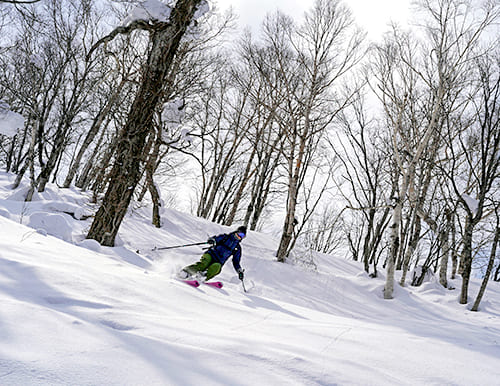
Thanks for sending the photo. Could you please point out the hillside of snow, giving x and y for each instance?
(75, 313)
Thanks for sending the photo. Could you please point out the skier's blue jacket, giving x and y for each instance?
(225, 246)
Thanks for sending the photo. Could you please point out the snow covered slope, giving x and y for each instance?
(75, 313)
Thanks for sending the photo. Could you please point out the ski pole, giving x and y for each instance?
(243, 284)
(179, 246)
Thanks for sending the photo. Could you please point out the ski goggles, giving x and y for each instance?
(241, 235)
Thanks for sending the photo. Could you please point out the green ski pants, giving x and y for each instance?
(205, 264)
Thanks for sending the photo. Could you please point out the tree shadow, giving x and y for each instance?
(258, 302)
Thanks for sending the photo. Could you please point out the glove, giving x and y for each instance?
(240, 274)
(211, 241)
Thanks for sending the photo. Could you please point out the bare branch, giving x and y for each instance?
(135, 25)
(19, 2)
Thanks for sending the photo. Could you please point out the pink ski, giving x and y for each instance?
(193, 283)
(217, 284)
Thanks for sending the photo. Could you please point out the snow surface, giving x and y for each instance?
(76, 313)
(10, 121)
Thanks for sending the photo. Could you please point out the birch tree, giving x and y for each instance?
(479, 142)
(266, 135)
(222, 122)
(364, 183)
(262, 134)
(491, 262)
(311, 60)
(45, 72)
(451, 33)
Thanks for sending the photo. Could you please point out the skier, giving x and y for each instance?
(222, 247)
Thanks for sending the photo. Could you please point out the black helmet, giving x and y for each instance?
(242, 229)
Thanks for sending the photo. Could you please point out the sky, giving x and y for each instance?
(373, 16)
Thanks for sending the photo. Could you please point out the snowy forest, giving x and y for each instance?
(386, 152)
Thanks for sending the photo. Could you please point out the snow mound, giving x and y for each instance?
(91, 244)
(54, 224)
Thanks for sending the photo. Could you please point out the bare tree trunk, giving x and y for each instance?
(155, 198)
(261, 200)
(466, 258)
(497, 273)
(445, 248)
(415, 237)
(150, 169)
(293, 191)
(262, 185)
(30, 162)
(454, 254)
(487, 275)
(86, 176)
(370, 230)
(394, 237)
(151, 162)
(56, 151)
(19, 158)
(126, 173)
(30, 157)
(247, 175)
(10, 154)
(94, 129)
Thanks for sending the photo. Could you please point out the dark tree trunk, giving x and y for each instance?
(454, 253)
(126, 172)
(497, 273)
(10, 154)
(239, 194)
(486, 278)
(94, 129)
(93, 165)
(466, 259)
(51, 163)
